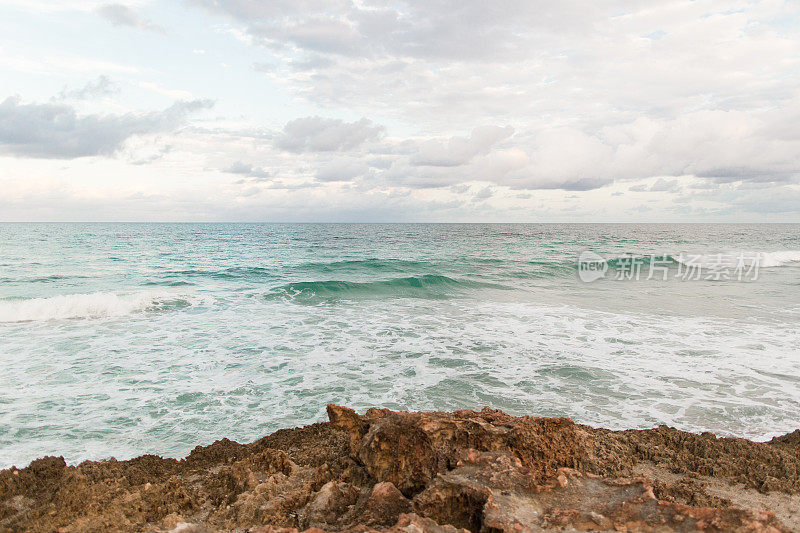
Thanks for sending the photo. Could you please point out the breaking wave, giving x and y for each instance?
(773, 259)
(94, 305)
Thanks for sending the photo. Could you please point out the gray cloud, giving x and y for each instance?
(459, 189)
(747, 173)
(317, 134)
(411, 29)
(57, 131)
(122, 15)
(245, 169)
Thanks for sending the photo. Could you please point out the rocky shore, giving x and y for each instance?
(424, 472)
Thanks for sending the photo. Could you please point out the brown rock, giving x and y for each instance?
(435, 442)
(422, 472)
(329, 504)
(384, 506)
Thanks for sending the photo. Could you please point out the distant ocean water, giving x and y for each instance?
(124, 339)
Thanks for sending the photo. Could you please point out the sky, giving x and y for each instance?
(429, 111)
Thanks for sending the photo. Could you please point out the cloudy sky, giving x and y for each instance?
(339, 110)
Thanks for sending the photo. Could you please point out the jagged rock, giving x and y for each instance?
(384, 506)
(423, 472)
(434, 442)
(333, 501)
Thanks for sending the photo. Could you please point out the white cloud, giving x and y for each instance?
(524, 58)
(661, 185)
(343, 169)
(483, 194)
(54, 6)
(316, 134)
(176, 94)
(460, 150)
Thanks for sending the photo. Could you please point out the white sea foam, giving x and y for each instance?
(245, 356)
(732, 258)
(773, 259)
(94, 305)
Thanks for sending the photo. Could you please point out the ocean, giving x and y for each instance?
(125, 339)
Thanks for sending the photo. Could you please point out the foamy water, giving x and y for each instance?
(118, 340)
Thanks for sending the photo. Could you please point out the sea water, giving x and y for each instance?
(124, 339)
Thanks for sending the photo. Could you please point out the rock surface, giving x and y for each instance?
(424, 472)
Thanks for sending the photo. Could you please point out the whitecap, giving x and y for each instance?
(93, 305)
(773, 259)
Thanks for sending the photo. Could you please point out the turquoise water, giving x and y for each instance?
(123, 339)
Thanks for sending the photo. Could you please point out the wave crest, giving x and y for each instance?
(425, 286)
(93, 305)
(773, 259)
(367, 265)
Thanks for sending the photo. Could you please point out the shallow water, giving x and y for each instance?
(123, 339)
